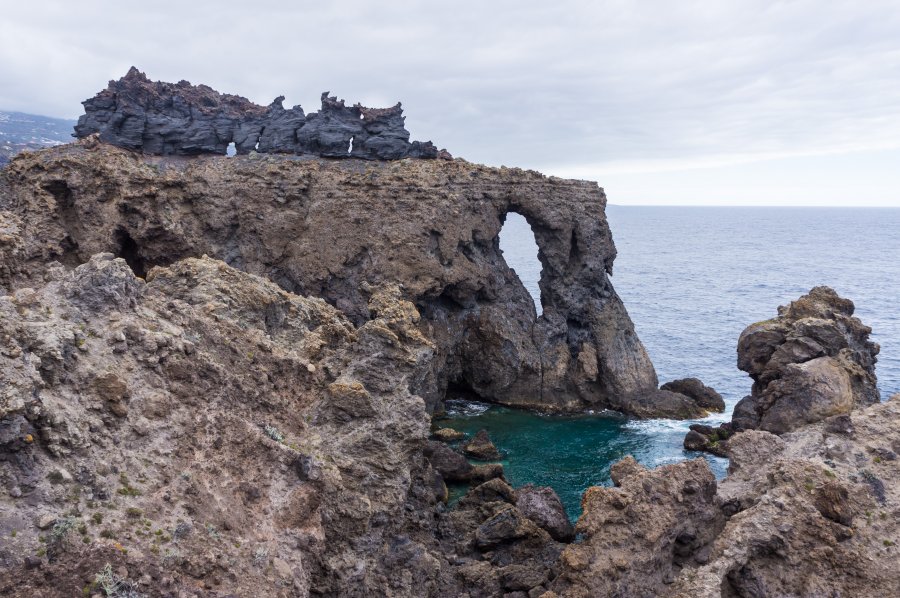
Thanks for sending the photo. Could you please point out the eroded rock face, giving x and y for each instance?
(327, 228)
(813, 361)
(184, 119)
(639, 534)
(807, 513)
(229, 421)
(810, 513)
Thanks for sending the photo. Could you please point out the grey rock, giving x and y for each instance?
(542, 505)
(813, 361)
(452, 466)
(705, 396)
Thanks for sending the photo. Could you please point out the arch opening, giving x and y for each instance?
(520, 250)
(231, 150)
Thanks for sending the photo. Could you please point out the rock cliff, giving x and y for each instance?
(184, 119)
(327, 227)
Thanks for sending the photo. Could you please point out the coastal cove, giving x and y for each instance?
(690, 322)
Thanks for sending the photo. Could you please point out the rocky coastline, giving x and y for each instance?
(219, 375)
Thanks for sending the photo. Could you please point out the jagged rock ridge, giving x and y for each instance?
(183, 119)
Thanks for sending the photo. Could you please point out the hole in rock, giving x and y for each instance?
(231, 150)
(520, 250)
(350, 149)
(129, 251)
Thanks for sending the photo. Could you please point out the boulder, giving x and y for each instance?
(703, 395)
(481, 447)
(452, 466)
(542, 505)
(183, 119)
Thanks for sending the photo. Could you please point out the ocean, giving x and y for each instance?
(692, 278)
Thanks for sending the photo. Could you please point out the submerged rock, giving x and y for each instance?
(813, 361)
(447, 435)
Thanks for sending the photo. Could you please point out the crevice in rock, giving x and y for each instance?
(128, 250)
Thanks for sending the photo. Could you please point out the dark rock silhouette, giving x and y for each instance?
(183, 119)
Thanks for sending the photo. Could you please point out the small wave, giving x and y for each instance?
(460, 408)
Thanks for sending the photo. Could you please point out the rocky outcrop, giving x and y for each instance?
(813, 361)
(204, 425)
(307, 225)
(480, 447)
(641, 533)
(811, 513)
(183, 119)
(807, 513)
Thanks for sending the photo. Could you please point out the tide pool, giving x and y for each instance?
(571, 453)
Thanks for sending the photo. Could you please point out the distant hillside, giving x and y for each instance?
(20, 132)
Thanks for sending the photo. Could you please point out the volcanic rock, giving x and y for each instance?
(813, 361)
(183, 119)
(308, 226)
(700, 393)
(638, 535)
(542, 505)
(481, 447)
(447, 435)
(452, 466)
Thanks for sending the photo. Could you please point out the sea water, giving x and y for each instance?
(692, 278)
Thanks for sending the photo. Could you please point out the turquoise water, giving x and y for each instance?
(570, 453)
(692, 278)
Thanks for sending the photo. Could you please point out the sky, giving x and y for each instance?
(691, 102)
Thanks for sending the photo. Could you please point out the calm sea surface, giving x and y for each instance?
(692, 278)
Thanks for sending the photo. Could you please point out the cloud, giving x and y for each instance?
(555, 86)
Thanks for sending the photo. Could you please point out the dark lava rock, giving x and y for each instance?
(452, 466)
(701, 394)
(184, 119)
(665, 404)
(481, 447)
(491, 491)
(707, 439)
(506, 526)
(543, 506)
(813, 361)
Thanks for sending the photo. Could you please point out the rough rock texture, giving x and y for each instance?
(184, 119)
(480, 447)
(307, 225)
(542, 505)
(638, 534)
(702, 437)
(701, 394)
(813, 361)
(813, 512)
(207, 433)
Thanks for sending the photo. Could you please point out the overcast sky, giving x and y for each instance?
(733, 102)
